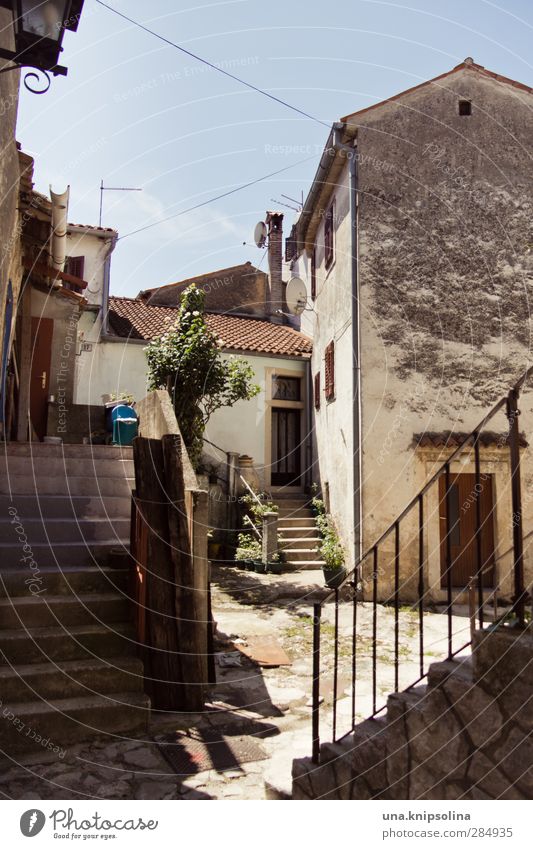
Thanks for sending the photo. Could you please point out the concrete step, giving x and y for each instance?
(440, 672)
(301, 513)
(65, 506)
(53, 610)
(43, 449)
(66, 581)
(297, 555)
(291, 522)
(74, 485)
(65, 530)
(303, 565)
(61, 553)
(71, 678)
(306, 536)
(36, 645)
(60, 467)
(68, 721)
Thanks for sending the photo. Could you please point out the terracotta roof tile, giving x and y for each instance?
(447, 439)
(131, 318)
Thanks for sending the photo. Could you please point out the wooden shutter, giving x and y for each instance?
(316, 391)
(330, 371)
(313, 274)
(75, 266)
(328, 236)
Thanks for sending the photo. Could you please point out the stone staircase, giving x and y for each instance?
(465, 735)
(68, 664)
(299, 534)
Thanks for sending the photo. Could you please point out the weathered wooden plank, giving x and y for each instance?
(190, 575)
(164, 673)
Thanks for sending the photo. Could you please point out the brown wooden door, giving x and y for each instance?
(286, 468)
(463, 529)
(42, 330)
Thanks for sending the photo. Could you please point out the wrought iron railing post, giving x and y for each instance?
(396, 606)
(479, 550)
(449, 559)
(317, 613)
(420, 581)
(516, 495)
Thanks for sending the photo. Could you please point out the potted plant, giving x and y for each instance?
(213, 547)
(332, 553)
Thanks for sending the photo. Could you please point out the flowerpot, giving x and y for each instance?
(334, 577)
(275, 568)
(260, 567)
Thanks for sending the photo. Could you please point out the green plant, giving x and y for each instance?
(248, 548)
(188, 362)
(331, 547)
(258, 508)
(127, 397)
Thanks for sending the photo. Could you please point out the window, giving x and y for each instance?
(328, 236)
(316, 391)
(74, 265)
(313, 274)
(285, 388)
(465, 107)
(330, 372)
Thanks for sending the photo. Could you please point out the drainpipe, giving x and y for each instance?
(59, 228)
(351, 155)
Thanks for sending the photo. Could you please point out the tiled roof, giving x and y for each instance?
(131, 318)
(446, 439)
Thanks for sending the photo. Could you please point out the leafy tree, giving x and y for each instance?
(188, 362)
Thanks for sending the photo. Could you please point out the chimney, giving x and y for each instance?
(274, 222)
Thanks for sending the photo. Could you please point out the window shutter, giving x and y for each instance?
(75, 266)
(328, 236)
(313, 274)
(317, 391)
(330, 371)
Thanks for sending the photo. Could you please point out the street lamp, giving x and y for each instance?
(39, 27)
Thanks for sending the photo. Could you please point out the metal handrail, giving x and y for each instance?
(354, 578)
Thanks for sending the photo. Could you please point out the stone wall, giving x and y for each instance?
(467, 735)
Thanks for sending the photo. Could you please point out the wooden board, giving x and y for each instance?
(265, 651)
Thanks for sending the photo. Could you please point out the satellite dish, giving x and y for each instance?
(296, 296)
(260, 234)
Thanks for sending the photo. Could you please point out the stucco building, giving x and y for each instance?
(414, 242)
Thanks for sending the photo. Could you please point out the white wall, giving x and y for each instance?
(94, 247)
(332, 321)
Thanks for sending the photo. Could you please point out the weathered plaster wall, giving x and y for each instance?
(9, 176)
(445, 204)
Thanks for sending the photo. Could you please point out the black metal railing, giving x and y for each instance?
(366, 585)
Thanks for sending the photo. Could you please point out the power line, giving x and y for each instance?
(218, 197)
(211, 65)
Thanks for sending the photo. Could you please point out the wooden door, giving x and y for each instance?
(462, 498)
(42, 331)
(286, 466)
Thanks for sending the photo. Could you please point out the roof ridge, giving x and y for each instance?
(466, 64)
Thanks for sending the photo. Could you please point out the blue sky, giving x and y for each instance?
(137, 112)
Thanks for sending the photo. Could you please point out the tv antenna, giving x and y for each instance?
(112, 189)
